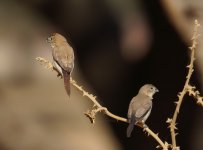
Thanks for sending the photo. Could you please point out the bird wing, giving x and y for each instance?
(64, 56)
(130, 110)
(143, 110)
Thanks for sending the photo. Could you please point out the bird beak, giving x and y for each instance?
(156, 90)
(49, 39)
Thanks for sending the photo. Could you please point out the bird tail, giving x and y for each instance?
(131, 126)
(66, 77)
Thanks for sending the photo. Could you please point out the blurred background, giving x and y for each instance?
(119, 46)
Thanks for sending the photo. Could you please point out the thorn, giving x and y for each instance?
(197, 92)
(192, 87)
(196, 22)
(169, 120)
(199, 101)
(148, 134)
(176, 127)
(188, 66)
(173, 126)
(85, 93)
(190, 47)
(158, 146)
(177, 148)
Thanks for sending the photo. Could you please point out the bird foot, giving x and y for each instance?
(59, 75)
(143, 125)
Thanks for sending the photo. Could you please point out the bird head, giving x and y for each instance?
(55, 39)
(148, 90)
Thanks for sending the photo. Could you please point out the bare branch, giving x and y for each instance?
(186, 89)
(91, 114)
(47, 64)
(196, 94)
(111, 115)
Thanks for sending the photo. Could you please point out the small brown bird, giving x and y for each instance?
(63, 56)
(140, 106)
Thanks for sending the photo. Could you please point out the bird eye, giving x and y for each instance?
(152, 88)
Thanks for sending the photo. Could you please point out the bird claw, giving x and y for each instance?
(145, 126)
(59, 75)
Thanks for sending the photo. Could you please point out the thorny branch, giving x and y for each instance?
(191, 90)
(187, 89)
(99, 108)
(91, 114)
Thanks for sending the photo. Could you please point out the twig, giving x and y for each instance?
(91, 114)
(99, 108)
(196, 94)
(186, 89)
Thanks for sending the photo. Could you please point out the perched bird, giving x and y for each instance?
(63, 56)
(140, 106)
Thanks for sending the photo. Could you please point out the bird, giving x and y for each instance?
(140, 106)
(63, 57)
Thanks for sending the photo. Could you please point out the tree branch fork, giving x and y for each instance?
(187, 89)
